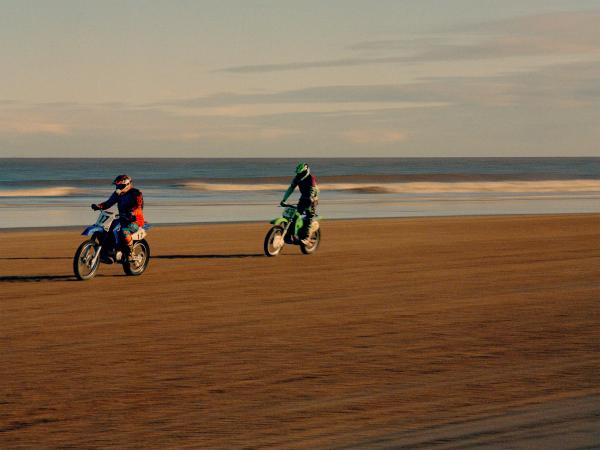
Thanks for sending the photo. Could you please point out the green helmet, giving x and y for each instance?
(302, 169)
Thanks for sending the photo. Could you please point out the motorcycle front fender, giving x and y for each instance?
(91, 230)
(279, 221)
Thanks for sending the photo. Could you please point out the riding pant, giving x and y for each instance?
(308, 207)
(126, 231)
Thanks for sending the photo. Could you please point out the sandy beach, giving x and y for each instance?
(418, 333)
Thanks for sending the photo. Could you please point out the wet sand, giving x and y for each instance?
(417, 333)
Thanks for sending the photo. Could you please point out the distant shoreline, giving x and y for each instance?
(198, 190)
(320, 158)
(349, 219)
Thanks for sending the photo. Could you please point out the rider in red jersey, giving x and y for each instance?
(130, 203)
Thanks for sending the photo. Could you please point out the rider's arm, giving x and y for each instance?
(289, 191)
(138, 205)
(139, 200)
(110, 202)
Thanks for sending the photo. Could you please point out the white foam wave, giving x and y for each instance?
(546, 186)
(59, 191)
(420, 187)
(196, 186)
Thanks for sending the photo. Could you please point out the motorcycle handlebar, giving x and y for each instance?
(109, 213)
(287, 205)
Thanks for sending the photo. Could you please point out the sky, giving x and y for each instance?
(288, 78)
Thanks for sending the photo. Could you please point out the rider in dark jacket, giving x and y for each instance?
(130, 203)
(309, 195)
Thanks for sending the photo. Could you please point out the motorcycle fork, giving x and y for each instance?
(298, 224)
(97, 255)
(287, 232)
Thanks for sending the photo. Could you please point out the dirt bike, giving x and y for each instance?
(104, 246)
(288, 228)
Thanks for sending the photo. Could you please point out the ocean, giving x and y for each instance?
(58, 191)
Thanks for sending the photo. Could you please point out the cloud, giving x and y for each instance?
(407, 44)
(556, 34)
(343, 62)
(235, 134)
(370, 137)
(573, 85)
(408, 94)
(260, 109)
(553, 110)
(18, 127)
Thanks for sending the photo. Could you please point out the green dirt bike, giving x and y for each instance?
(287, 229)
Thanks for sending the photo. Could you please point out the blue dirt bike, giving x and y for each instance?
(104, 246)
(288, 229)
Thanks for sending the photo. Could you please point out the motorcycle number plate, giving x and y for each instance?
(102, 219)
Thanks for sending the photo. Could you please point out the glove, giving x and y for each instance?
(95, 207)
(282, 203)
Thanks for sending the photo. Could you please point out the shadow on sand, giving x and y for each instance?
(234, 256)
(9, 258)
(35, 278)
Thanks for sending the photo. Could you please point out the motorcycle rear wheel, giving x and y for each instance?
(313, 243)
(83, 266)
(141, 253)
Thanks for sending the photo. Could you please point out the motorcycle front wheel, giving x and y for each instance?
(274, 241)
(140, 260)
(85, 263)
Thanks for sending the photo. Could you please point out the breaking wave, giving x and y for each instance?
(224, 187)
(418, 187)
(59, 191)
(469, 187)
(361, 187)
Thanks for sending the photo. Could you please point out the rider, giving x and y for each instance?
(309, 195)
(130, 203)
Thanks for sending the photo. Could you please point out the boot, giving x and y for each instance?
(129, 252)
(312, 228)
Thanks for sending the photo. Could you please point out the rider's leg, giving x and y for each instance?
(306, 206)
(310, 225)
(310, 215)
(109, 238)
(126, 238)
(108, 242)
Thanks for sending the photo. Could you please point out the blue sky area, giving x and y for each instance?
(300, 79)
